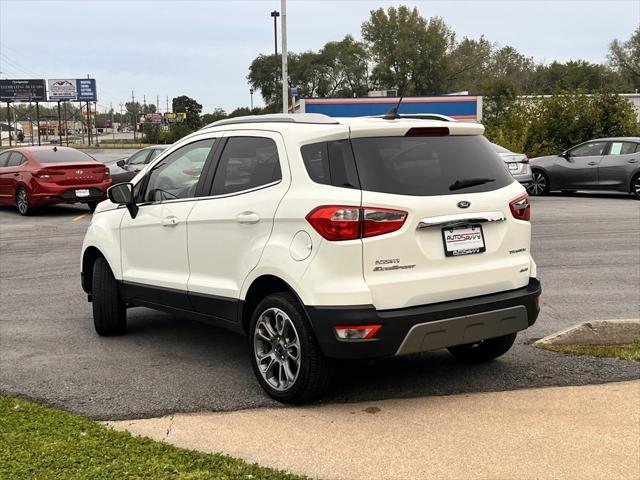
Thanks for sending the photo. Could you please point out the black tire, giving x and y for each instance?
(540, 183)
(635, 186)
(315, 370)
(109, 311)
(92, 206)
(22, 202)
(484, 350)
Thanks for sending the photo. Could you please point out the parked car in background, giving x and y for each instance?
(127, 168)
(33, 176)
(517, 163)
(599, 164)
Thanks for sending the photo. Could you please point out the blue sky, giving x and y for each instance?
(203, 48)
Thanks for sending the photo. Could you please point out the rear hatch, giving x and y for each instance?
(460, 238)
(69, 167)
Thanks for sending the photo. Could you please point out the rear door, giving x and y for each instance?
(13, 173)
(580, 168)
(229, 229)
(418, 175)
(5, 180)
(618, 165)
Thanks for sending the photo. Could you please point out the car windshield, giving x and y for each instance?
(61, 155)
(427, 166)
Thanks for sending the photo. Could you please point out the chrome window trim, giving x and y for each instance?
(460, 219)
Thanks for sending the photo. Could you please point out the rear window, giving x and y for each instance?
(426, 166)
(61, 155)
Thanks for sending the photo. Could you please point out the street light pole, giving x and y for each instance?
(251, 93)
(285, 73)
(275, 14)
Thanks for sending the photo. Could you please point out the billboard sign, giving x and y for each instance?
(15, 90)
(175, 117)
(151, 118)
(76, 89)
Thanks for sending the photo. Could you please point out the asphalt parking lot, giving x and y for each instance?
(587, 248)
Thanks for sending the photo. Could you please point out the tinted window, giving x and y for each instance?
(246, 162)
(428, 165)
(331, 163)
(138, 158)
(61, 155)
(499, 149)
(177, 175)
(589, 149)
(16, 159)
(154, 153)
(622, 148)
(4, 158)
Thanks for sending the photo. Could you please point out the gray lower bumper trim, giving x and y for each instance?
(460, 330)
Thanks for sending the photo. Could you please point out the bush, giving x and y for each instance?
(549, 125)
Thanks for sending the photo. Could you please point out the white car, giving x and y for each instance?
(517, 163)
(322, 238)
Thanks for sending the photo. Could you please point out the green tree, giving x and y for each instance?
(575, 75)
(469, 64)
(218, 114)
(262, 76)
(189, 106)
(624, 58)
(409, 52)
(343, 67)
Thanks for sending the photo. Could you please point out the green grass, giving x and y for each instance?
(37, 442)
(629, 351)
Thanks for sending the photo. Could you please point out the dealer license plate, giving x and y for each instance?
(82, 193)
(463, 240)
(513, 166)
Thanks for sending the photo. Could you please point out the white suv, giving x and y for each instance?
(321, 239)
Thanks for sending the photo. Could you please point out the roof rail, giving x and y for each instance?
(420, 116)
(301, 118)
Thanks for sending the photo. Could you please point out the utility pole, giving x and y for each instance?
(158, 103)
(285, 74)
(135, 122)
(95, 107)
(275, 14)
(251, 93)
(167, 103)
(113, 132)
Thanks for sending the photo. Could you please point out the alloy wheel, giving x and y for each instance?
(276, 347)
(636, 186)
(539, 184)
(22, 201)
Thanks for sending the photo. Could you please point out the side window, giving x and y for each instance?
(177, 175)
(154, 153)
(331, 163)
(138, 158)
(4, 159)
(589, 149)
(622, 148)
(245, 163)
(16, 159)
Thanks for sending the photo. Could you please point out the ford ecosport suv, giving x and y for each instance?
(321, 239)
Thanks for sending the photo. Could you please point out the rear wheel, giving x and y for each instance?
(484, 350)
(109, 311)
(635, 186)
(539, 184)
(22, 202)
(285, 355)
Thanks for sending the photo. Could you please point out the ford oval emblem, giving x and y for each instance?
(464, 204)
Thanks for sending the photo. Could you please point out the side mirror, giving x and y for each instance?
(566, 155)
(120, 163)
(122, 194)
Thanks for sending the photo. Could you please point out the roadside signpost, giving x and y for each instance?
(26, 90)
(73, 90)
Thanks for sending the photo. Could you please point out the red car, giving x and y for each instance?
(33, 176)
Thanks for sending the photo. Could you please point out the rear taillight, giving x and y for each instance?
(339, 222)
(47, 174)
(427, 132)
(107, 172)
(520, 207)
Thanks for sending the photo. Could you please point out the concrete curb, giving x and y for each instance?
(597, 332)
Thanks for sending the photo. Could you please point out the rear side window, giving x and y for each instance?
(4, 158)
(61, 155)
(16, 159)
(246, 163)
(622, 148)
(426, 166)
(331, 163)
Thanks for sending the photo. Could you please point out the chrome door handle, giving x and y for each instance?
(16, 174)
(459, 219)
(248, 217)
(170, 221)
(633, 160)
(592, 163)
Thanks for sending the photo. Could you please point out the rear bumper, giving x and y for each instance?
(97, 193)
(427, 327)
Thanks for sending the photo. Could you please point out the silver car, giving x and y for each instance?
(517, 163)
(599, 164)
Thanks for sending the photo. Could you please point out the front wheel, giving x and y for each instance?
(484, 350)
(285, 355)
(635, 186)
(539, 184)
(109, 311)
(22, 202)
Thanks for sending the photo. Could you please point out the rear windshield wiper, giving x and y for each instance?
(469, 182)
